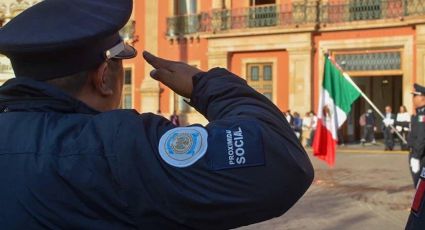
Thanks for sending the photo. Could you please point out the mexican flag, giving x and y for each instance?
(337, 95)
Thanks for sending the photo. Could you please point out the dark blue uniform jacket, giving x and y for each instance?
(416, 143)
(64, 165)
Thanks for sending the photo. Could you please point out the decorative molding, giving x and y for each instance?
(404, 43)
(374, 61)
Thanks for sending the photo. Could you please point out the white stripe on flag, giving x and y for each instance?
(337, 116)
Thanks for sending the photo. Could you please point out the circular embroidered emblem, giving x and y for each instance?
(181, 143)
(182, 147)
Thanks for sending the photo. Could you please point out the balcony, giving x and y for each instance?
(184, 25)
(294, 15)
(364, 10)
(261, 16)
(243, 18)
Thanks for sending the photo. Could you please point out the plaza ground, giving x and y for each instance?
(367, 189)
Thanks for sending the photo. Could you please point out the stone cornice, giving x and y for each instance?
(410, 21)
(259, 31)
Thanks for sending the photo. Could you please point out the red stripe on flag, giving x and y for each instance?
(417, 202)
(324, 144)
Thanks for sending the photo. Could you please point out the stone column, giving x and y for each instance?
(420, 54)
(3, 12)
(150, 88)
(217, 59)
(7, 14)
(300, 80)
(217, 4)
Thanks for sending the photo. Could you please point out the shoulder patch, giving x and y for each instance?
(181, 147)
(235, 144)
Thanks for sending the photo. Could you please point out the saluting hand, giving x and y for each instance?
(176, 75)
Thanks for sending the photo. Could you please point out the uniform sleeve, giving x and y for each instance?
(219, 94)
(419, 141)
(253, 167)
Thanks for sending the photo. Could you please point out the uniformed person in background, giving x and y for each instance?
(416, 143)
(69, 159)
(416, 140)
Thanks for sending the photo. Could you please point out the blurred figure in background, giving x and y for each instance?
(369, 127)
(340, 137)
(309, 124)
(387, 129)
(402, 124)
(416, 138)
(306, 128)
(297, 125)
(289, 117)
(417, 159)
(175, 119)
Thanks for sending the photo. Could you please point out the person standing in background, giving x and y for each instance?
(416, 138)
(306, 128)
(298, 124)
(387, 128)
(312, 127)
(340, 134)
(402, 124)
(369, 128)
(289, 117)
(175, 119)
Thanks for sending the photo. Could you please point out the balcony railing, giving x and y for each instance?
(295, 14)
(252, 17)
(361, 10)
(414, 7)
(184, 24)
(261, 16)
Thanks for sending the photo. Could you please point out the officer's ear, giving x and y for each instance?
(100, 80)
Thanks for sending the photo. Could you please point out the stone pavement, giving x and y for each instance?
(367, 189)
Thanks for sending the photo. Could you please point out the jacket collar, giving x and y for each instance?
(420, 109)
(24, 94)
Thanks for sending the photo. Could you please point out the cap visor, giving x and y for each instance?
(128, 53)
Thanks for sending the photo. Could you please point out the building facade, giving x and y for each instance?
(278, 46)
(8, 10)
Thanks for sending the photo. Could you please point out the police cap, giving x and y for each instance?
(418, 89)
(56, 38)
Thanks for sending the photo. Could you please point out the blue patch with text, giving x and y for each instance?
(235, 145)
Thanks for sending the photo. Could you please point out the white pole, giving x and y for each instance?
(348, 78)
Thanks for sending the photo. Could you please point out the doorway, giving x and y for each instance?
(382, 91)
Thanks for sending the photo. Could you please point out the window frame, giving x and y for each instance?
(261, 85)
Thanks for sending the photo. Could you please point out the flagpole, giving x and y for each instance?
(348, 78)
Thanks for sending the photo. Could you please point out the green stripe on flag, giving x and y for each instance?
(339, 89)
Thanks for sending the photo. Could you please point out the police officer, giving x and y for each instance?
(416, 142)
(70, 160)
(416, 139)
